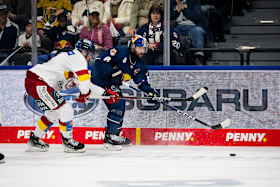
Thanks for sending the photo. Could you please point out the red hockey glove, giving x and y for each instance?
(114, 97)
(83, 97)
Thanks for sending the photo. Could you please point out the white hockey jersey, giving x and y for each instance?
(57, 71)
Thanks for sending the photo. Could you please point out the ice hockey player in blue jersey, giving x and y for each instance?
(108, 72)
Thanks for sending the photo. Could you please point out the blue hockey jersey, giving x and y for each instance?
(114, 65)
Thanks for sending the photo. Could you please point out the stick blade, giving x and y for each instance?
(200, 92)
(222, 125)
(225, 123)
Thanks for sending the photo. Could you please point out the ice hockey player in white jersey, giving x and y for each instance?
(44, 81)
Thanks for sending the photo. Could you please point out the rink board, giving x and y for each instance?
(248, 96)
(155, 136)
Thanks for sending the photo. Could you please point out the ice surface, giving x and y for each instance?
(141, 166)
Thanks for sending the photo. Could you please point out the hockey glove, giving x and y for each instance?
(114, 97)
(83, 97)
(152, 95)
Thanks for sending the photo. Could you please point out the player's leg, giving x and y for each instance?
(47, 100)
(35, 144)
(66, 129)
(112, 139)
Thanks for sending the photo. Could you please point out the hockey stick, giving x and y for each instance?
(6, 59)
(214, 127)
(148, 98)
(97, 93)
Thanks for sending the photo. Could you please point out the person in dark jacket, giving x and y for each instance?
(191, 22)
(21, 11)
(113, 66)
(9, 32)
(153, 32)
(62, 34)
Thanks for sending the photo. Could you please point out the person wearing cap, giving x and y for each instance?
(9, 31)
(96, 31)
(63, 32)
(25, 40)
(80, 12)
(49, 10)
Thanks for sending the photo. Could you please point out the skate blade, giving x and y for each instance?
(32, 149)
(69, 150)
(127, 145)
(110, 147)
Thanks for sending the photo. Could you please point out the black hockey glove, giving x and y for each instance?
(117, 78)
(152, 95)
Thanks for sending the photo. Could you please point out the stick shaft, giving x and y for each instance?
(177, 110)
(6, 59)
(142, 98)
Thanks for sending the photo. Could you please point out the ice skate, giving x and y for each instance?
(72, 146)
(2, 160)
(114, 142)
(35, 144)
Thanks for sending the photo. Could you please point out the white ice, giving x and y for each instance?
(141, 166)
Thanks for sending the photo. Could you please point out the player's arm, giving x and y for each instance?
(81, 73)
(142, 80)
(83, 85)
(105, 62)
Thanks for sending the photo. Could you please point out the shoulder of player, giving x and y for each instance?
(119, 52)
(73, 56)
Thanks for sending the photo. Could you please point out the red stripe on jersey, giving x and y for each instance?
(46, 121)
(82, 72)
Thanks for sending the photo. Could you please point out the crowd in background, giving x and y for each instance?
(60, 23)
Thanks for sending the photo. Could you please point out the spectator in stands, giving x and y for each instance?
(118, 12)
(25, 40)
(21, 11)
(63, 35)
(139, 13)
(153, 32)
(48, 10)
(80, 12)
(73, 2)
(191, 22)
(96, 31)
(8, 3)
(217, 12)
(9, 31)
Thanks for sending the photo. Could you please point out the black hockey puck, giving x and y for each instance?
(2, 158)
(232, 154)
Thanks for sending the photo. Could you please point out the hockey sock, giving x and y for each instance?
(42, 127)
(66, 128)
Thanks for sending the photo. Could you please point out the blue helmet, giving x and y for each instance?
(85, 44)
(138, 40)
